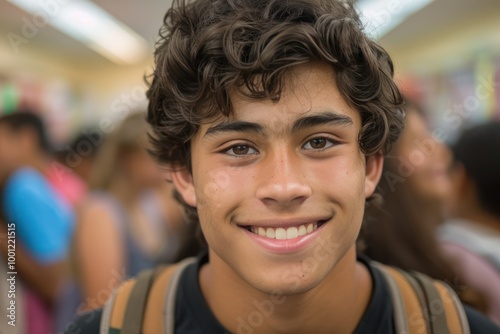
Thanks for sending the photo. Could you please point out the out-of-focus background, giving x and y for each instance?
(89, 207)
(77, 61)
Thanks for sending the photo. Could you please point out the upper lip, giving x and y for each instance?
(284, 223)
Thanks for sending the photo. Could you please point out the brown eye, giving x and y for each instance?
(241, 150)
(319, 144)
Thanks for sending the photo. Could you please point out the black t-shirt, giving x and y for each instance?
(193, 315)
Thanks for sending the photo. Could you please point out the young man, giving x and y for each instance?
(274, 117)
(36, 213)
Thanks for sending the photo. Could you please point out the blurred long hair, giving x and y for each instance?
(130, 135)
(401, 230)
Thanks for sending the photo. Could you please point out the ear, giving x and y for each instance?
(374, 166)
(183, 182)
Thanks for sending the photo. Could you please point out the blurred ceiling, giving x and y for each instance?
(145, 17)
(436, 17)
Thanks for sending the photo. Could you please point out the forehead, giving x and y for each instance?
(308, 89)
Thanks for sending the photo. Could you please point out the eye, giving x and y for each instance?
(319, 143)
(241, 150)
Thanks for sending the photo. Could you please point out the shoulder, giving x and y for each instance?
(94, 215)
(478, 323)
(88, 323)
(27, 186)
(97, 209)
(25, 172)
(25, 180)
(465, 231)
(71, 187)
(93, 207)
(29, 199)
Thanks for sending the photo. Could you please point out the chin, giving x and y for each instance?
(289, 280)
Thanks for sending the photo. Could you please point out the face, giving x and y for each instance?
(425, 157)
(281, 187)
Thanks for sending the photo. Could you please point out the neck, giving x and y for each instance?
(336, 305)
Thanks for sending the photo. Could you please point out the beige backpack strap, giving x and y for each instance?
(429, 306)
(422, 301)
(415, 304)
(134, 313)
(114, 310)
(106, 314)
(161, 299)
(400, 319)
(137, 305)
(438, 322)
(455, 313)
(169, 307)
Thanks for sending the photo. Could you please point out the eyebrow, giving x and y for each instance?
(235, 126)
(322, 118)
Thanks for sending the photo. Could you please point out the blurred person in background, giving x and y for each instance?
(401, 230)
(471, 238)
(80, 155)
(37, 202)
(130, 220)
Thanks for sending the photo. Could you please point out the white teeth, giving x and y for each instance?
(270, 233)
(292, 232)
(282, 233)
(310, 228)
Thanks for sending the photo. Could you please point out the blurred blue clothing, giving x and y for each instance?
(44, 222)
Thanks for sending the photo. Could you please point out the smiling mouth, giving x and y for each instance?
(285, 233)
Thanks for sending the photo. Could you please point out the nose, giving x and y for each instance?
(282, 181)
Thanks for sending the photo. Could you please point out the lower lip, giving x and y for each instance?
(287, 245)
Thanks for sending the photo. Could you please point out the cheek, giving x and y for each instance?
(219, 194)
(343, 184)
(342, 178)
(220, 189)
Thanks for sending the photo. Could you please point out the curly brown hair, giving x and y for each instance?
(211, 47)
